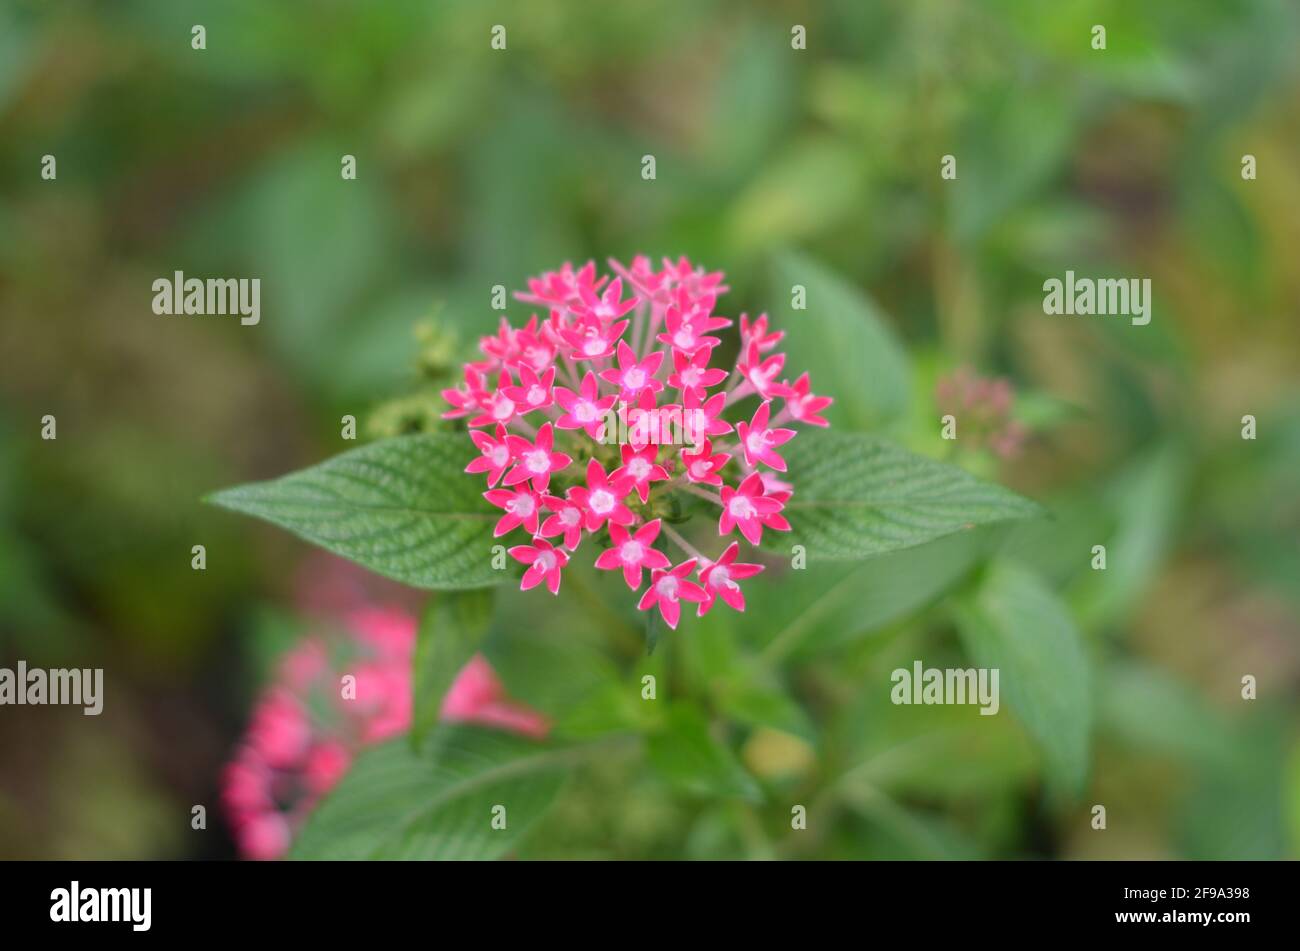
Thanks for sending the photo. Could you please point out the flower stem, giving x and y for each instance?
(711, 496)
(682, 543)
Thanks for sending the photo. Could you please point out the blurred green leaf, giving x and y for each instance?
(686, 755)
(914, 834)
(834, 603)
(809, 187)
(1015, 139)
(1145, 500)
(1144, 706)
(843, 341)
(763, 702)
(451, 632)
(1016, 624)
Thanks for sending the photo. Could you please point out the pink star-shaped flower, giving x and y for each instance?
(496, 456)
(501, 347)
(586, 409)
(606, 306)
(533, 391)
(748, 508)
(544, 562)
(718, 579)
(640, 466)
(704, 419)
(668, 588)
(804, 406)
(535, 461)
(602, 497)
(521, 506)
(497, 407)
(633, 552)
(761, 373)
(756, 333)
(465, 399)
(692, 374)
(592, 340)
(773, 485)
(566, 520)
(759, 442)
(685, 273)
(703, 466)
(645, 421)
(562, 286)
(687, 333)
(633, 377)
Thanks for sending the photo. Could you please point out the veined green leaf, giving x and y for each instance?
(401, 507)
(857, 496)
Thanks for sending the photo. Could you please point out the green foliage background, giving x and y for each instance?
(479, 167)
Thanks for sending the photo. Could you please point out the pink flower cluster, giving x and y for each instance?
(982, 407)
(638, 347)
(305, 729)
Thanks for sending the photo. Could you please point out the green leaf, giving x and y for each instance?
(805, 189)
(1155, 713)
(759, 702)
(437, 802)
(856, 496)
(1145, 499)
(845, 344)
(1011, 145)
(1016, 624)
(451, 631)
(802, 612)
(401, 507)
(686, 754)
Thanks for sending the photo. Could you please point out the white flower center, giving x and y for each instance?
(719, 577)
(521, 505)
(634, 378)
(499, 455)
(602, 501)
(757, 441)
(684, 338)
(503, 408)
(536, 395)
(547, 560)
(691, 376)
(593, 346)
(639, 468)
(584, 412)
(632, 552)
(570, 516)
(667, 587)
(701, 469)
(740, 507)
(538, 461)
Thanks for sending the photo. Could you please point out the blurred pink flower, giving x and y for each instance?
(304, 731)
(983, 408)
(477, 696)
(279, 731)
